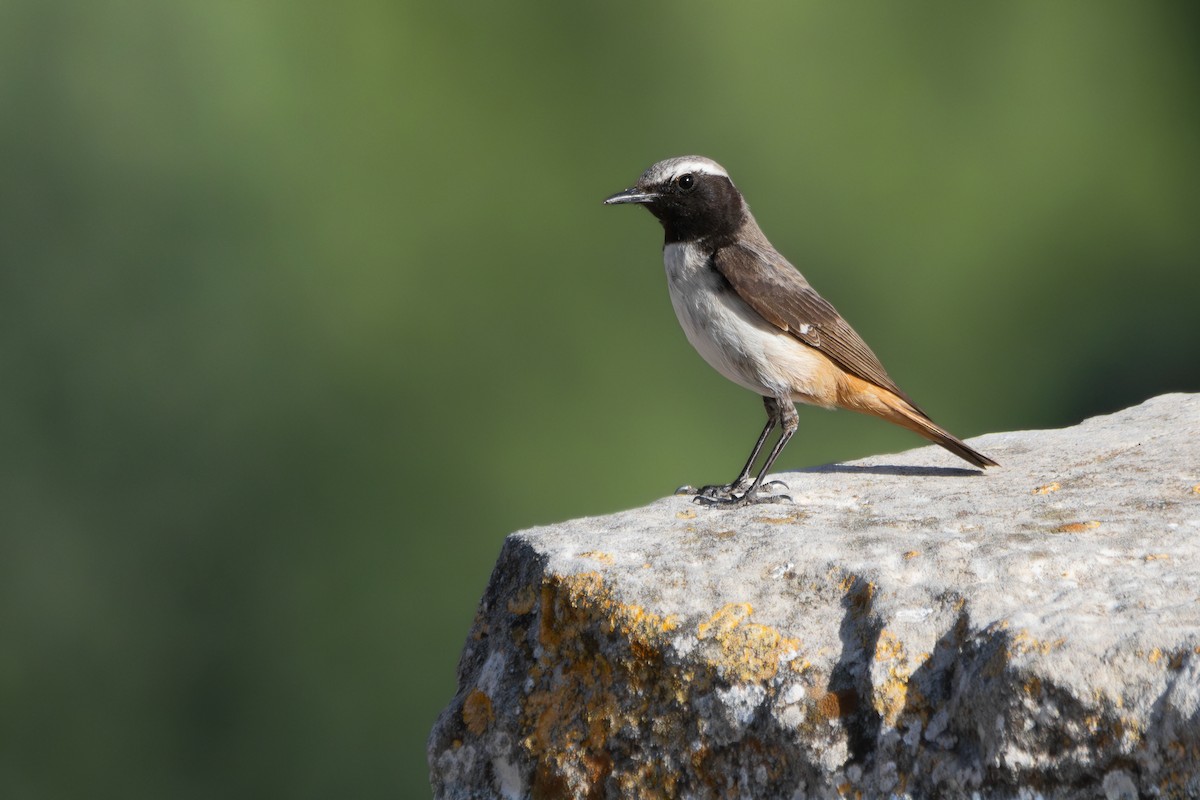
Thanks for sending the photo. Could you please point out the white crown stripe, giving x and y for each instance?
(672, 168)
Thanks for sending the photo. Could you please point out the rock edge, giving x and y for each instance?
(904, 629)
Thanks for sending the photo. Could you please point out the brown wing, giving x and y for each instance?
(780, 294)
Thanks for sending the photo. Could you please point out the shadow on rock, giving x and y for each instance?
(850, 680)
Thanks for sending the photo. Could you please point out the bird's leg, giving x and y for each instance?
(789, 420)
(732, 491)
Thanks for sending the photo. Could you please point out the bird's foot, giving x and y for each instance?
(739, 493)
(719, 493)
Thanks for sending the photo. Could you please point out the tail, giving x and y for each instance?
(879, 402)
(915, 421)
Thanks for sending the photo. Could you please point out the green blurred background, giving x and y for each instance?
(305, 306)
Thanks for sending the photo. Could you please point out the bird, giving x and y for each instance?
(756, 320)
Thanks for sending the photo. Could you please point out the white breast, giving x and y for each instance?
(734, 339)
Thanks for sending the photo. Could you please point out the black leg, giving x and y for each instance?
(790, 421)
(743, 489)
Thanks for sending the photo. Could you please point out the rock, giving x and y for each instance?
(904, 628)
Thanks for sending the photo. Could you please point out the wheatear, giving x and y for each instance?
(757, 321)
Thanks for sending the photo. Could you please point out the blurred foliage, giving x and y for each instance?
(305, 306)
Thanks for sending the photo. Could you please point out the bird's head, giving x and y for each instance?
(692, 197)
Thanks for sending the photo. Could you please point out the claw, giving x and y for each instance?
(741, 492)
(745, 499)
(720, 493)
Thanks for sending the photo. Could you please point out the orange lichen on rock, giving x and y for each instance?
(746, 651)
(600, 677)
(833, 705)
(888, 647)
(570, 601)
(477, 712)
(890, 696)
(1077, 527)
(1024, 642)
(581, 691)
(523, 601)
(726, 618)
(795, 516)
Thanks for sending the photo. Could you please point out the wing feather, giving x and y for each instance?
(775, 289)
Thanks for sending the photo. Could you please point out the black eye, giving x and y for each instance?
(685, 182)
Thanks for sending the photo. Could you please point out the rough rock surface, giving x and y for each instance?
(905, 628)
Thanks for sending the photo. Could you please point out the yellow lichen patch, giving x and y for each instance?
(891, 696)
(599, 680)
(726, 619)
(1196, 489)
(860, 592)
(573, 709)
(643, 629)
(911, 554)
(1077, 527)
(585, 595)
(1025, 642)
(746, 651)
(1154, 656)
(576, 711)
(1048, 488)
(599, 671)
(888, 647)
(648, 780)
(523, 601)
(687, 513)
(799, 665)
(795, 516)
(596, 555)
(1158, 557)
(477, 712)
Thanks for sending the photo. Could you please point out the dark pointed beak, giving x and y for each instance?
(634, 195)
